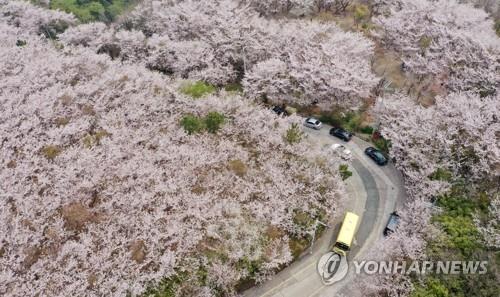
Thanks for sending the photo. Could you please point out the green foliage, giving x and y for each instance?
(93, 10)
(52, 29)
(461, 241)
(425, 42)
(382, 144)
(344, 171)
(293, 134)
(298, 246)
(366, 130)
(350, 121)
(457, 222)
(51, 151)
(167, 287)
(441, 174)
(192, 124)
(197, 89)
(251, 266)
(303, 219)
(214, 121)
(361, 12)
(497, 27)
(94, 139)
(461, 233)
(432, 288)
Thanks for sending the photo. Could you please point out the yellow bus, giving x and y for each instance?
(346, 234)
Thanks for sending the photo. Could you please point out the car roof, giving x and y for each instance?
(393, 221)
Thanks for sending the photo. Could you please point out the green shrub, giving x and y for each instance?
(361, 12)
(344, 171)
(197, 89)
(350, 120)
(425, 42)
(213, 121)
(167, 287)
(462, 233)
(382, 144)
(93, 10)
(441, 174)
(53, 28)
(51, 151)
(432, 288)
(94, 139)
(293, 134)
(333, 119)
(192, 124)
(497, 27)
(366, 130)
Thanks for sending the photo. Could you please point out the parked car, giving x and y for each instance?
(376, 156)
(313, 123)
(279, 110)
(342, 151)
(391, 224)
(341, 133)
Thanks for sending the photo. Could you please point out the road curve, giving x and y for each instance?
(373, 193)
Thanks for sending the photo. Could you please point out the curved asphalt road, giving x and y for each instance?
(374, 192)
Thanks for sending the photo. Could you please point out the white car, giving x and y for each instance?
(342, 151)
(313, 123)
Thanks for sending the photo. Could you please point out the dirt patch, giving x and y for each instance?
(32, 255)
(238, 167)
(91, 280)
(273, 232)
(138, 251)
(76, 216)
(12, 164)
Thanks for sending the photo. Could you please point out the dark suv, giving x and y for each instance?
(376, 156)
(341, 133)
(391, 224)
(279, 110)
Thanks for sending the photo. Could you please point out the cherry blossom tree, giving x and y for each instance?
(307, 65)
(452, 42)
(223, 42)
(103, 192)
(458, 134)
(35, 19)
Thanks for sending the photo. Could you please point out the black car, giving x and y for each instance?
(341, 133)
(376, 156)
(391, 224)
(280, 110)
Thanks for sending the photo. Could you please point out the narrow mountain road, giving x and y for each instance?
(373, 193)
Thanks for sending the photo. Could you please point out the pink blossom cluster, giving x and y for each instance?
(297, 62)
(453, 42)
(103, 192)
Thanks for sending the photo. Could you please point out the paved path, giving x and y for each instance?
(374, 192)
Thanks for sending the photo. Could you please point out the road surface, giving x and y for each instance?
(373, 193)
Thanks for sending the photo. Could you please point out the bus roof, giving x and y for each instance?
(348, 228)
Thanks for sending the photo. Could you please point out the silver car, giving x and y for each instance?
(312, 123)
